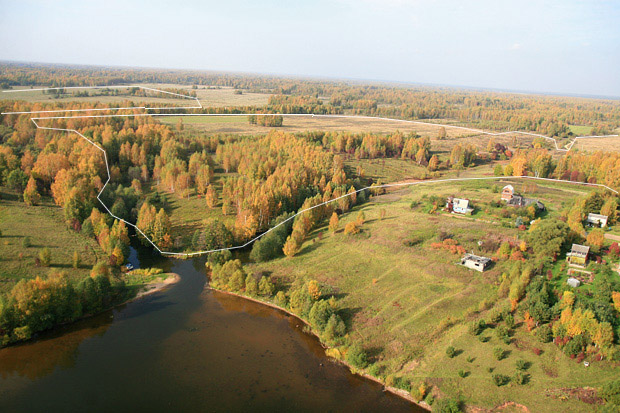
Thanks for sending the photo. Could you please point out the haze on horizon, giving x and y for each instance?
(566, 47)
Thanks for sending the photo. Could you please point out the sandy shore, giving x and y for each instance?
(151, 288)
(399, 392)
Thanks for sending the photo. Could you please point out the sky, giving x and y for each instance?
(564, 46)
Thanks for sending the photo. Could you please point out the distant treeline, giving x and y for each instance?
(550, 115)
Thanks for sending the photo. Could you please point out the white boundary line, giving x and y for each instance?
(185, 254)
(104, 109)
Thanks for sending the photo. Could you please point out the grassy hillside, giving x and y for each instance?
(407, 302)
(44, 226)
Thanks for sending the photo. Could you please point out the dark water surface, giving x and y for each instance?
(183, 349)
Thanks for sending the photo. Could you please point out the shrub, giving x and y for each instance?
(477, 327)
(502, 333)
(448, 406)
(26, 242)
(45, 257)
(357, 356)
(500, 379)
(521, 364)
(280, 299)
(351, 228)
(265, 287)
(575, 346)
(251, 286)
(462, 373)
(470, 359)
(495, 315)
(521, 378)
(510, 321)
(451, 351)
(483, 339)
(499, 353)
(537, 351)
(544, 333)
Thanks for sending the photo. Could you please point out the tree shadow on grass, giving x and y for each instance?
(309, 248)
(348, 313)
(379, 219)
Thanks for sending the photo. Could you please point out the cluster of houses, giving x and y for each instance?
(577, 258)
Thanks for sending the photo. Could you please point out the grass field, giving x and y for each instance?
(396, 296)
(580, 130)
(217, 97)
(608, 144)
(45, 227)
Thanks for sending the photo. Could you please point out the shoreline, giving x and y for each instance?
(360, 372)
(145, 290)
(153, 287)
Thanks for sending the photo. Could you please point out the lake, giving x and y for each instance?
(184, 349)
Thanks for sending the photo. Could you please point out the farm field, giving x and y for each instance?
(406, 302)
(44, 226)
(209, 97)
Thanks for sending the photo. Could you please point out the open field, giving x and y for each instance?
(580, 130)
(296, 124)
(609, 144)
(217, 97)
(45, 227)
(123, 99)
(397, 297)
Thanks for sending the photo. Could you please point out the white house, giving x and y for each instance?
(596, 220)
(475, 262)
(459, 206)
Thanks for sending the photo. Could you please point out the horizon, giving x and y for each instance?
(396, 83)
(567, 48)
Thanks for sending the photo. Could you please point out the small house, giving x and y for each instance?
(459, 206)
(596, 220)
(573, 282)
(517, 200)
(475, 262)
(507, 193)
(578, 255)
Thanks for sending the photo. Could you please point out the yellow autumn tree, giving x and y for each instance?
(31, 195)
(333, 222)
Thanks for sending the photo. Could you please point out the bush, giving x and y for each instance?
(462, 373)
(521, 364)
(448, 406)
(499, 353)
(45, 257)
(470, 359)
(495, 315)
(500, 379)
(477, 327)
(280, 299)
(503, 334)
(357, 357)
(510, 321)
(483, 339)
(544, 333)
(351, 228)
(26, 242)
(451, 351)
(575, 346)
(521, 378)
